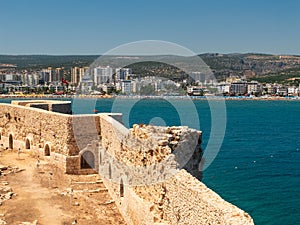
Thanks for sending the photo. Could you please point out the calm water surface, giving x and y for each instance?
(258, 165)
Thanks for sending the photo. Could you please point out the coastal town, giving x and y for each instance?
(244, 76)
(149, 112)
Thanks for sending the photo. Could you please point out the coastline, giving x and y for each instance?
(217, 98)
(258, 110)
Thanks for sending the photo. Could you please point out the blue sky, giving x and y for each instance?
(96, 26)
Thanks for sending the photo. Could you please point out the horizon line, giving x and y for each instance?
(232, 53)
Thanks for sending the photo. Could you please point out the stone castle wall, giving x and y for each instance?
(49, 134)
(146, 169)
(53, 106)
(165, 193)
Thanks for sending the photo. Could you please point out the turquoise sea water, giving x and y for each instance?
(258, 165)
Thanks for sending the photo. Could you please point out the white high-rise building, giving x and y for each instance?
(30, 79)
(126, 87)
(77, 73)
(123, 73)
(102, 75)
(57, 74)
(46, 75)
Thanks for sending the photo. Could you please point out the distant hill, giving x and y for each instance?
(44, 61)
(253, 65)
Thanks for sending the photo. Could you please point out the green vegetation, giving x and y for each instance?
(147, 90)
(157, 69)
(268, 68)
(285, 77)
(31, 62)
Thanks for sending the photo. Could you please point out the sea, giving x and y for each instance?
(257, 164)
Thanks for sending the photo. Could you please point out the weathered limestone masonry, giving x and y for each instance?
(151, 172)
(49, 134)
(142, 168)
(53, 106)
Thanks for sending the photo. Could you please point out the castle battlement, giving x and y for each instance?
(151, 172)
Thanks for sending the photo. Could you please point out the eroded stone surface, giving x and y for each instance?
(146, 169)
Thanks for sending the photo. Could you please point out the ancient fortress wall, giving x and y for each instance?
(166, 192)
(53, 106)
(147, 169)
(49, 134)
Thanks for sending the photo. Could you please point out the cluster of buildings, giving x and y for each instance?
(241, 87)
(25, 82)
(119, 80)
(236, 86)
(105, 79)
